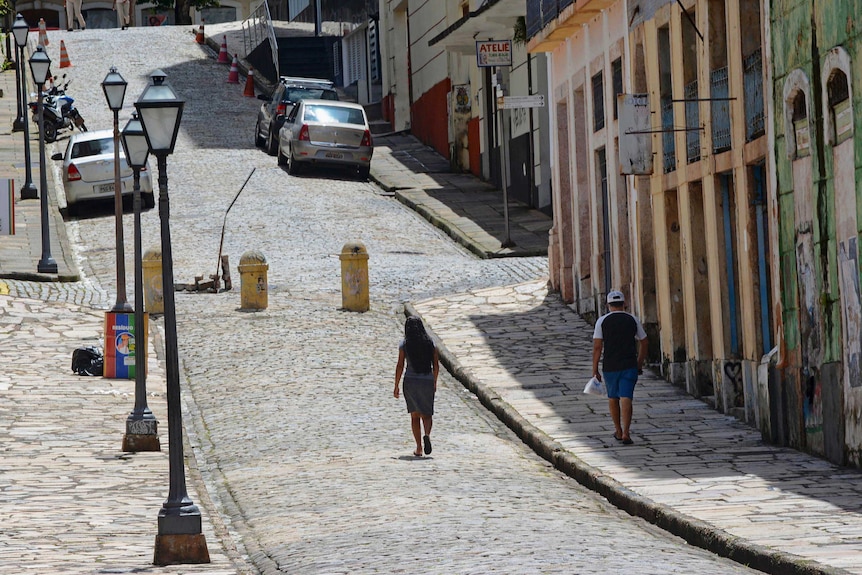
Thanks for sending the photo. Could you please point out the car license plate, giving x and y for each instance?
(108, 188)
(335, 155)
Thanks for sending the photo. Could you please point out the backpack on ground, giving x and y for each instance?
(87, 361)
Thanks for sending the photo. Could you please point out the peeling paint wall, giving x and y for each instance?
(817, 161)
(713, 276)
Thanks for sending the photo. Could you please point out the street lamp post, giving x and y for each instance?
(141, 425)
(40, 63)
(179, 539)
(18, 124)
(20, 29)
(114, 87)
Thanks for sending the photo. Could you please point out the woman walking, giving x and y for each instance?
(420, 380)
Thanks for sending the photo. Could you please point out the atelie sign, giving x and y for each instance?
(493, 53)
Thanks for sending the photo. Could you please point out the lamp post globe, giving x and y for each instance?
(114, 87)
(40, 63)
(20, 30)
(160, 111)
(180, 538)
(134, 141)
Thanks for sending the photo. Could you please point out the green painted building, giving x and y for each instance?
(815, 384)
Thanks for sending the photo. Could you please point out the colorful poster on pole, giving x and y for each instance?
(7, 207)
(120, 345)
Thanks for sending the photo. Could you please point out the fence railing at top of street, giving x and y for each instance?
(258, 27)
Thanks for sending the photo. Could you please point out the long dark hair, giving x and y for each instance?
(418, 345)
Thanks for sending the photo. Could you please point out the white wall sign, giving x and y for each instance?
(493, 53)
(635, 134)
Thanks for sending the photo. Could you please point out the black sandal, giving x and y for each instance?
(427, 441)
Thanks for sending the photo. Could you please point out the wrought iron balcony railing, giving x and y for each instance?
(720, 91)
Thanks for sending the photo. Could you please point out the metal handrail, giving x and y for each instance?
(258, 27)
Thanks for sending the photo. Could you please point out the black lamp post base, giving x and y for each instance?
(18, 125)
(181, 549)
(135, 442)
(29, 193)
(48, 266)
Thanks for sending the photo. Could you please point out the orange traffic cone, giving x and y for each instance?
(64, 56)
(233, 75)
(43, 33)
(199, 37)
(249, 84)
(223, 58)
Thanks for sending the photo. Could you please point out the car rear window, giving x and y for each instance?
(93, 148)
(297, 94)
(333, 114)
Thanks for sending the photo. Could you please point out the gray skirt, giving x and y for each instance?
(419, 393)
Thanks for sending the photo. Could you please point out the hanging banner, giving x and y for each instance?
(7, 207)
(493, 53)
(635, 135)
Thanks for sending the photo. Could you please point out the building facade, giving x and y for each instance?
(101, 14)
(435, 86)
(815, 400)
(689, 239)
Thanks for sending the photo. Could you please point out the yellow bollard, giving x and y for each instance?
(253, 277)
(154, 296)
(354, 277)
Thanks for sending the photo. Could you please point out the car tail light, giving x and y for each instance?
(366, 139)
(73, 173)
(303, 134)
(281, 109)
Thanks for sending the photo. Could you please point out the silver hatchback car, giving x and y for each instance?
(88, 169)
(321, 132)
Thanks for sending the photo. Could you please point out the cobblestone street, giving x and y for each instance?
(302, 457)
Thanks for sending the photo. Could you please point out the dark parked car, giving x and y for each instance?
(274, 109)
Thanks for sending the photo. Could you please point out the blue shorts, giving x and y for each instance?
(621, 383)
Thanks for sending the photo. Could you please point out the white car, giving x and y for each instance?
(88, 170)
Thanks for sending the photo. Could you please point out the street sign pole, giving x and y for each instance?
(507, 243)
(500, 118)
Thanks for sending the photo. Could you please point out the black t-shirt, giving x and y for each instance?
(620, 332)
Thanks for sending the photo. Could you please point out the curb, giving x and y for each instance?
(693, 531)
(453, 232)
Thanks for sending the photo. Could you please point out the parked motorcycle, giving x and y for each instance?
(60, 112)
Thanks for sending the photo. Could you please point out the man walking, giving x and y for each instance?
(122, 7)
(622, 338)
(73, 10)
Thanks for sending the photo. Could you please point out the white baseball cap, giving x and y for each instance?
(616, 296)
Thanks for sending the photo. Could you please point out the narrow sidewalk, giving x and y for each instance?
(72, 501)
(472, 212)
(693, 471)
(20, 253)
